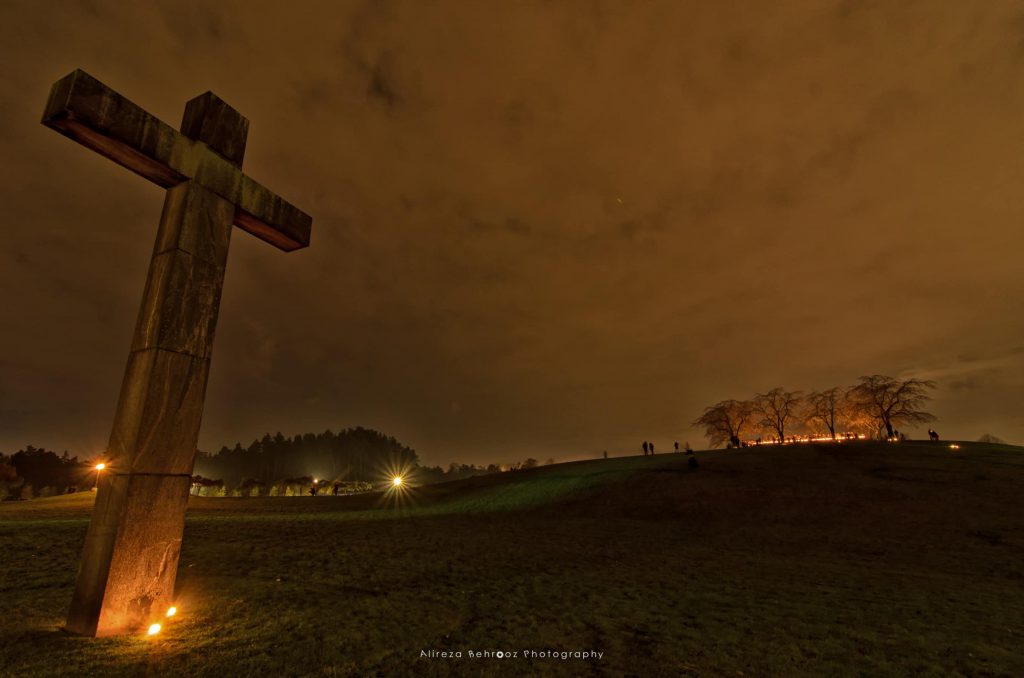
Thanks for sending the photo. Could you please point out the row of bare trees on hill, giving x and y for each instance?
(876, 406)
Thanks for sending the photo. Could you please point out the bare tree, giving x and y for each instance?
(891, 402)
(825, 407)
(777, 408)
(723, 422)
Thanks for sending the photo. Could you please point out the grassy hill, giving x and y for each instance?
(862, 559)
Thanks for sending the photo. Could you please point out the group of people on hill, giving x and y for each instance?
(314, 489)
(648, 448)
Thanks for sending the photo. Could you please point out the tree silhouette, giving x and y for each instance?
(724, 421)
(777, 408)
(825, 407)
(890, 402)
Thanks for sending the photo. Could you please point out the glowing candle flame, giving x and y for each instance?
(396, 481)
(171, 611)
(153, 630)
(100, 466)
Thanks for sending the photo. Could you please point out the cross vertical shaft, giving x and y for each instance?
(126, 576)
(133, 543)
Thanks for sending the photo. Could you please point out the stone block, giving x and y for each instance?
(197, 221)
(268, 217)
(209, 119)
(94, 564)
(84, 109)
(159, 412)
(179, 305)
(130, 560)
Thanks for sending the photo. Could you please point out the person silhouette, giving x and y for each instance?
(645, 448)
(606, 454)
(677, 446)
(652, 448)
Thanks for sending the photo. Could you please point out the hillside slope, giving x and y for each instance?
(868, 559)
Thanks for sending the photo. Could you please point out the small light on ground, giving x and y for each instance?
(153, 630)
(171, 611)
(954, 446)
(100, 466)
(396, 481)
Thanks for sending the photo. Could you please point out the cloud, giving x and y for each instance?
(580, 223)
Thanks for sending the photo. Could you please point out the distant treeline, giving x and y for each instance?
(875, 406)
(35, 472)
(354, 454)
(357, 459)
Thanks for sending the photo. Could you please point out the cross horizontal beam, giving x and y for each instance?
(84, 109)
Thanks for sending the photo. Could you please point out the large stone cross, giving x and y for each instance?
(126, 576)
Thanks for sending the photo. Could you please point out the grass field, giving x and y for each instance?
(861, 560)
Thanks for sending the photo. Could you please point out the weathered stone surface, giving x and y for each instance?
(159, 413)
(182, 295)
(179, 310)
(96, 116)
(197, 221)
(210, 120)
(126, 580)
(269, 218)
(94, 564)
(83, 108)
